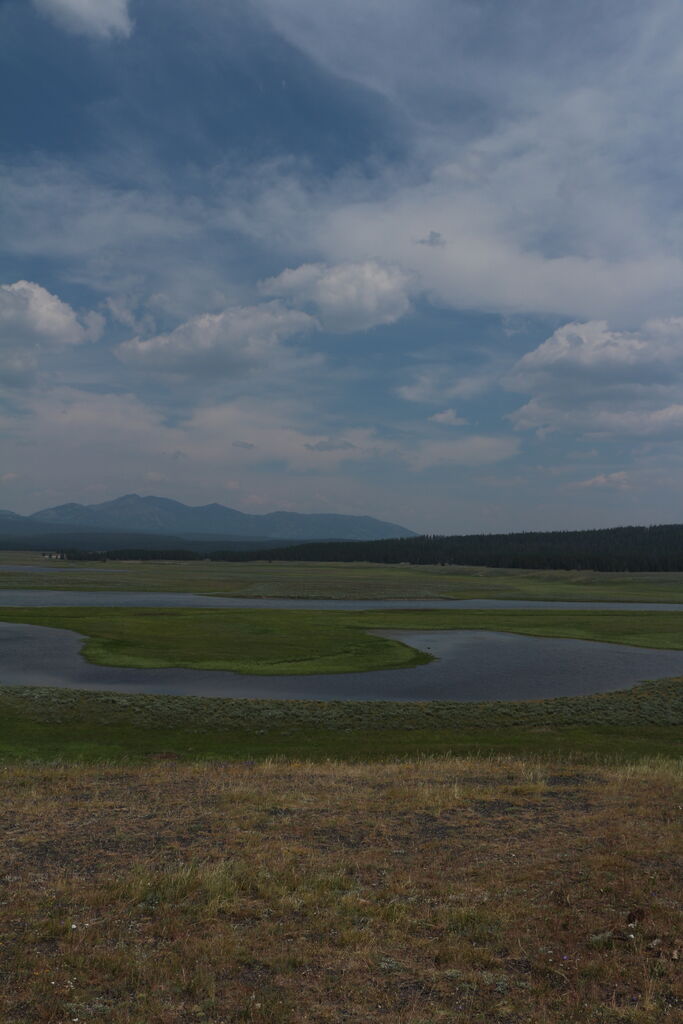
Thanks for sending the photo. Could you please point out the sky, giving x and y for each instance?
(416, 259)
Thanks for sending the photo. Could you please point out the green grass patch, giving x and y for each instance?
(240, 640)
(360, 580)
(56, 724)
(265, 642)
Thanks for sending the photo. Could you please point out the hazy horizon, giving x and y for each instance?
(408, 526)
(417, 261)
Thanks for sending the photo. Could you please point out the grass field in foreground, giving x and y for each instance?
(339, 580)
(264, 642)
(439, 891)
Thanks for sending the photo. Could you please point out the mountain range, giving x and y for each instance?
(155, 517)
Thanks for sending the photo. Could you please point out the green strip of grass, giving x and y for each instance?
(342, 580)
(266, 642)
(53, 724)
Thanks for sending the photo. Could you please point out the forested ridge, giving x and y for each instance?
(619, 549)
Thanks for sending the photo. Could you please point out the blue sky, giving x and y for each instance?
(418, 259)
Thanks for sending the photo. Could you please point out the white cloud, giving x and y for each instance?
(346, 297)
(34, 322)
(448, 418)
(234, 341)
(100, 18)
(493, 263)
(29, 314)
(589, 379)
(593, 351)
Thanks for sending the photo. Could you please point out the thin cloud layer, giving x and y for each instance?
(98, 18)
(469, 451)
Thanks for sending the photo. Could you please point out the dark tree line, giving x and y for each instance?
(620, 549)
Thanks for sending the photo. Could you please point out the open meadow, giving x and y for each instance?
(190, 860)
(337, 580)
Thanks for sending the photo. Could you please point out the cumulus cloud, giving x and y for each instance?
(34, 322)
(99, 18)
(235, 341)
(590, 379)
(594, 352)
(346, 297)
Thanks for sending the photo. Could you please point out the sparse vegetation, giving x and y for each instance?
(438, 891)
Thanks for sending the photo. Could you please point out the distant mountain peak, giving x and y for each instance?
(156, 515)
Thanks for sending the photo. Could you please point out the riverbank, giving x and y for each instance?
(52, 724)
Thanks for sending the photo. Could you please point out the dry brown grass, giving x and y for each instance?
(425, 892)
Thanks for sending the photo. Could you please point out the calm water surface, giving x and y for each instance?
(471, 665)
